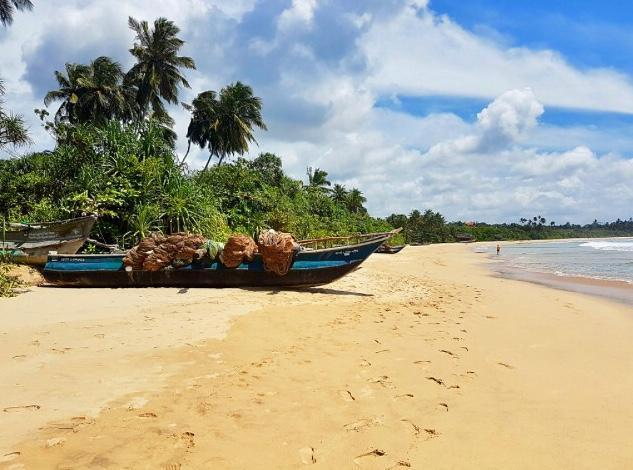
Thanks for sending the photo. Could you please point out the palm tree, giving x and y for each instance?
(91, 93)
(355, 201)
(157, 76)
(12, 128)
(8, 7)
(317, 179)
(224, 122)
(339, 194)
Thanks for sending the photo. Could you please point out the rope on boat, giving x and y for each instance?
(157, 251)
(277, 250)
(237, 249)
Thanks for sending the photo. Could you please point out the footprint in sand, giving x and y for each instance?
(12, 409)
(507, 366)
(445, 351)
(436, 380)
(149, 414)
(382, 380)
(400, 463)
(444, 405)
(346, 395)
(362, 423)
(372, 453)
(307, 455)
(10, 456)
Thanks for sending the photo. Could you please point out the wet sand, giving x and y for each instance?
(424, 359)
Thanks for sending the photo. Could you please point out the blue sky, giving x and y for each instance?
(483, 110)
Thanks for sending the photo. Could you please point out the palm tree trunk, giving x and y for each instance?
(208, 161)
(185, 157)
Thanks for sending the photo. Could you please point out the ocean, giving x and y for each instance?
(607, 259)
(596, 266)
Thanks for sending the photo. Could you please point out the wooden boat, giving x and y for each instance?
(389, 250)
(310, 267)
(31, 243)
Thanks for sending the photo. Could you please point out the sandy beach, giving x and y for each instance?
(424, 359)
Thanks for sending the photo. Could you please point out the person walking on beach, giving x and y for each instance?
(498, 248)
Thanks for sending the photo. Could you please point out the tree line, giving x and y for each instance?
(432, 227)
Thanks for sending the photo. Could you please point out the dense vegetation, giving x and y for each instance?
(114, 156)
(431, 227)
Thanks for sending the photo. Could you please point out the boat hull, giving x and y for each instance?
(31, 244)
(310, 268)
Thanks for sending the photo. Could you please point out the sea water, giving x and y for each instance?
(606, 259)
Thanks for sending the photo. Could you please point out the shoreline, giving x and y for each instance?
(613, 289)
(424, 359)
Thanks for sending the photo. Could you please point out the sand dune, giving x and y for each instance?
(418, 360)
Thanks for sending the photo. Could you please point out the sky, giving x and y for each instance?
(482, 110)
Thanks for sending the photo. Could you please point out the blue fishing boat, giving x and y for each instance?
(310, 267)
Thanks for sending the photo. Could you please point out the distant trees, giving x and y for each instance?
(355, 201)
(317, 179)
(13, 132)
(8, 8)
(101, 91)
(339, 193)
(92, 93)
(157, 75)
(224, 123)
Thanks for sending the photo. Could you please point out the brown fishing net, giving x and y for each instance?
(159, 251)
(237, 249)
(277, 250)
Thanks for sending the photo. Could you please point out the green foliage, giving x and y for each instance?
(8, 7)
(13, 132)
(127, 174)
(224, 122)
(431, 227)
(92, 93)
(8, 283)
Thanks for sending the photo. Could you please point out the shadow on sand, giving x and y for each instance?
(308, 290)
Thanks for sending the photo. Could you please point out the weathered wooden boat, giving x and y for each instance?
(389, 250)
(310, 267)
(31, 243)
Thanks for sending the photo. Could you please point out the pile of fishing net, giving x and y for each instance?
(158, 251)
(277, 250)
(238, 249)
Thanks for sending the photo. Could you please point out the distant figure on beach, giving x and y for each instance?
(498, 248)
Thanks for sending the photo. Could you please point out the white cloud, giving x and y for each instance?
(417, 52)
(321, 76)
(300, 13)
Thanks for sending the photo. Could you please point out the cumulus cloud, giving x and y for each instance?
(321, 67)
(502, 123)
(418, 52)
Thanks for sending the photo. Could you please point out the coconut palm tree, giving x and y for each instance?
(339, 194)
(317, 179)
(157, 76)
(8, 7)
(12, 128)
(91, 93)
(225, 122)
(355, 201)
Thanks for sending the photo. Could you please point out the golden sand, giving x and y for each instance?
(418, 360)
